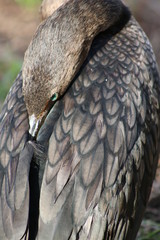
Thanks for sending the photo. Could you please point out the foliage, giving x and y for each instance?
(149, 230)
(29, 3)
(9, 68)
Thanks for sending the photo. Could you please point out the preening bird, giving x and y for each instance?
(80, 128)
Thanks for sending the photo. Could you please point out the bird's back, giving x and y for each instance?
(103, 147)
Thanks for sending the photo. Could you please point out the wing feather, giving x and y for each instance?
(102, 153)
(15, 157)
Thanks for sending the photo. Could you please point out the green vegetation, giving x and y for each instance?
(28, 3)
(10, 65)
(149, 230)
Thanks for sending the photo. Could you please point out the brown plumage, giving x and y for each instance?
(49, 6)
(88, 170)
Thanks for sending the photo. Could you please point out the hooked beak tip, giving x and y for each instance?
(33, 123)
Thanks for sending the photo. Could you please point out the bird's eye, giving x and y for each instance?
(54, 97)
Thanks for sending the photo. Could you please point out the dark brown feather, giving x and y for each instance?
(107, 121)
(15, 157)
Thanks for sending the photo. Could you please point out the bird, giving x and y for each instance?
(80, 128)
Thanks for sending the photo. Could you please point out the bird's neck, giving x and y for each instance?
(98, 15)
(61, 45)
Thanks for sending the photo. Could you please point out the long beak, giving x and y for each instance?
(34, 125)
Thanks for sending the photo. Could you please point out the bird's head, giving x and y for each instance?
(51, 61)
(58, 49)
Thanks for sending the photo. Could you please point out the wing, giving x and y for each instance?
(102, 140)
(15, 157)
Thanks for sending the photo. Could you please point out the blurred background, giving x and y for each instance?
(19, 20)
